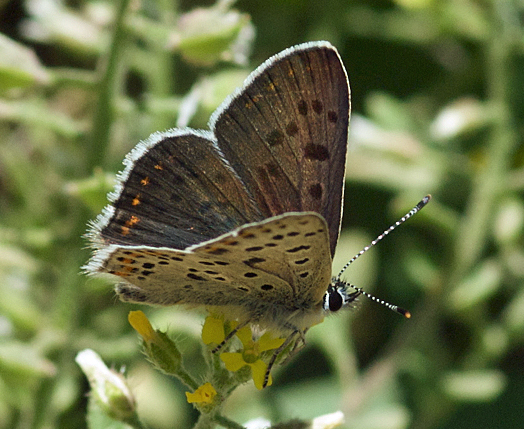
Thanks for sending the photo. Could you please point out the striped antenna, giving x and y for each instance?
(403, 219)
(359, 291)
(386, 304)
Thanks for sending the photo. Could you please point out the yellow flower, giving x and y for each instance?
(203, 395)
(140, 323)
(250, 355)
(213, 330)
(159, 348)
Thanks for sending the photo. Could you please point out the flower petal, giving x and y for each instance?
(246, 336)
(213, 330)
(204, 394)
(138, 320)
(258, 372)
(268, 342)
(233, 361)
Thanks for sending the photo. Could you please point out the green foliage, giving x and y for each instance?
(437, 108)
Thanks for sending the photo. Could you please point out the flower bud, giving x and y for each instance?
(159, 348)
(109, 388)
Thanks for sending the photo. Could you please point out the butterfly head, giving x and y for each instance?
(338, 295)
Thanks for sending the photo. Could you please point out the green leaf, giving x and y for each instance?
(19, 66)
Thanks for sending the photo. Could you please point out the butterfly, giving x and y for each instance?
(242, 218)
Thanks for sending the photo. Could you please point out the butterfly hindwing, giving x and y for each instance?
(281, 262)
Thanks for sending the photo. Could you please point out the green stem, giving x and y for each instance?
(185, 378)
(135, 422)
(488, 186)
(225, 422)
(474, 230)
(104, 113)
(206, 421)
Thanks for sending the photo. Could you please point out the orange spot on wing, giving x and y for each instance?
(145, 181)
(132, 221)
(122, 274)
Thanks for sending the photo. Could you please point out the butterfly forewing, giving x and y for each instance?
(180, 194)
(277, 146)
(285, 133)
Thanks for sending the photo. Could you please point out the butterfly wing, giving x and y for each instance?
(285, 133)
(267, 270)
(278, 145)
(176, 190)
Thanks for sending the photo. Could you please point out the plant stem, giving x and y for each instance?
(186, 378)
(225, 422)
(491, 182)
(104, 114)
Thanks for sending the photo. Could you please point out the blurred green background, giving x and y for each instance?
(438, 107)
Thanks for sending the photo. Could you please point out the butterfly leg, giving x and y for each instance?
(286, 343)
(296, 348)
(229, 336)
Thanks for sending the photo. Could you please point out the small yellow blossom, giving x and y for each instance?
(203, 395)
(213, 330)
(250, 355)
(138, 320)
(159, 348)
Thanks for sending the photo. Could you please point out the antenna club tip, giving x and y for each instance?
(404, 313)
(424, 201)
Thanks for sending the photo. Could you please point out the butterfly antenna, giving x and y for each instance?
(403, 219)
(386, 304)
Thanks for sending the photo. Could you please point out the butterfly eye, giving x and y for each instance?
(333, 299)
